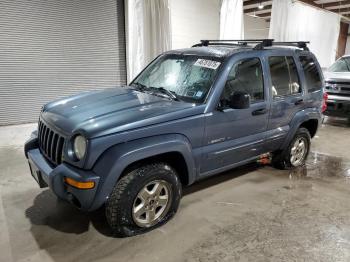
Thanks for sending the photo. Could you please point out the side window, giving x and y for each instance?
(312, 75)
(245, 76)
(284, 76)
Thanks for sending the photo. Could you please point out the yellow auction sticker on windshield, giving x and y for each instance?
(207, 63)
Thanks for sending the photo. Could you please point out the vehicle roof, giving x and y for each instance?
(225, 51)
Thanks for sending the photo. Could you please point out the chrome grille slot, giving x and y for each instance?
(50, 143)
(46, 132)
(59, 150)
(53, 147)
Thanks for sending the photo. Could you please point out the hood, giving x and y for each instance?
(337, 76)
(98, 113)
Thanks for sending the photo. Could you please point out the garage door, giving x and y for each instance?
(51, 49)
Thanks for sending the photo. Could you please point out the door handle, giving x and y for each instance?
(299, 101)
(260, 111)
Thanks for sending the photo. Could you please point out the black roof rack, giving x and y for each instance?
(220, 42)
(260, 43)
(299, 44)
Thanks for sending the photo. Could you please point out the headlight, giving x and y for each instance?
(80, 147)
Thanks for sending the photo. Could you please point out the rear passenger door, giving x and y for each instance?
(287, 98)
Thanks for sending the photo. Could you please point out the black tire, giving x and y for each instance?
(120, 204)
(281, 160)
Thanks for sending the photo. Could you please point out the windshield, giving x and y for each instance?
(341, 65)
(187, 77)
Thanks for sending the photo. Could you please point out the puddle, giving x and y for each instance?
(319, 166)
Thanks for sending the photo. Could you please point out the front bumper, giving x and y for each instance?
(53, 177)
(338, 106)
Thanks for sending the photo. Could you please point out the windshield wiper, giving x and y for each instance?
(171, 94)
(140, 86)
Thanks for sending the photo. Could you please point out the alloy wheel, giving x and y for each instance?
(152, 203)
(298, 151)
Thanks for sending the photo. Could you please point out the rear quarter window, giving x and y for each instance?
(311, 72)
(284, 76)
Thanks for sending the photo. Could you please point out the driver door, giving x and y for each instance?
(233, 136)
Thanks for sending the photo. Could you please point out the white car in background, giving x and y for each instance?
(337, 78)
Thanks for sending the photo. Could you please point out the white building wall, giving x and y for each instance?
(255, 28)
(193, 20)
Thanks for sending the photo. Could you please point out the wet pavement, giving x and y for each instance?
(253, 213)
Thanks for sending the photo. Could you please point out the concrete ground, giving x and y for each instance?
(248, 214)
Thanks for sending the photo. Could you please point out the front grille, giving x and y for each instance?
(339, 88)
(338, 94)
(50, 143)
(338, 82)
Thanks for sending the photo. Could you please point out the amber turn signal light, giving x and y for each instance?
(80, 185)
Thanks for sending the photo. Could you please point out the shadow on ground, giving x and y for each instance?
(48, 210)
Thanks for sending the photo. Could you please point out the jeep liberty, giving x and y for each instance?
(190, 114)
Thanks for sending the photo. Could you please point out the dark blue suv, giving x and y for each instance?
(190, 114)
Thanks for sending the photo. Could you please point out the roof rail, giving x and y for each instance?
(260, 43)
(299, 44)
(219, 42)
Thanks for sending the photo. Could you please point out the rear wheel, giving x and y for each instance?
(296, 153)
(143, 199)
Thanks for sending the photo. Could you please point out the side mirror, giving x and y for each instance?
(239, 100)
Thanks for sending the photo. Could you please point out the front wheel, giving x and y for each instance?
(143, 199)
(296, 153)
